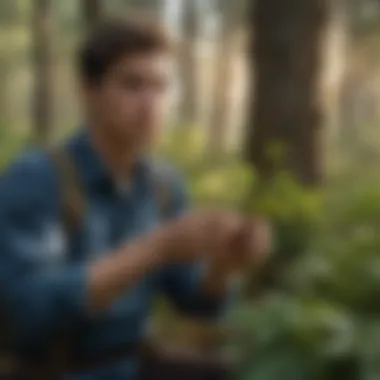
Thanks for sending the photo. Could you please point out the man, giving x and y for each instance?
(99, 282)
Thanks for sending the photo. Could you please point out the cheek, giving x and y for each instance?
(167, 108)
(126, 100)
(119, 105)
(163, 106)
(154, 111)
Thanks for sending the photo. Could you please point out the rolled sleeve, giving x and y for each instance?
(39, 294)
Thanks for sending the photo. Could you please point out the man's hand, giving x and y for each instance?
(199, 234)
(190, 237)
(226, 240)
(247, 248)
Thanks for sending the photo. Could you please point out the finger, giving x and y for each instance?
(260, 241)
(236, 234)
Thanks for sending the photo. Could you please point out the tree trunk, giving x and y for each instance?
(5, 69)
(218, 133)
(286, 53)
(152, 7)
(43, 72)
(189, 63)
(91, 12)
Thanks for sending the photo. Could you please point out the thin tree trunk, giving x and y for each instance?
(91, 12)
(219, 124)
(43, 72)
(348, 108)
(189, 63)
(286, 54)
(150, 7)
(5, 69)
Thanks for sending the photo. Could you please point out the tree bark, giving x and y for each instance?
(91, 12)
(42, 57)
(286, 54)
(189, 63)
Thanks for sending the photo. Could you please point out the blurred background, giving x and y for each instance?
(275, 111)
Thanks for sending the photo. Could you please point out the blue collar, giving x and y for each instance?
(93, 170)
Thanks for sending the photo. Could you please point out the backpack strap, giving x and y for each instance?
(72, 192)
(72, 209)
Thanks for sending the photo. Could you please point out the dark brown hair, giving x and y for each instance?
(114, 39)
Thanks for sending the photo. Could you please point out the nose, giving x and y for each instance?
(149, 104)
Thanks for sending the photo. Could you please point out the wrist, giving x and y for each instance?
(219, 270)
(161, 242)
(216, 279)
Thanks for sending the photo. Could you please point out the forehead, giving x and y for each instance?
(145, 64)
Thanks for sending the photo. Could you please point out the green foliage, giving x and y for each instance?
(285, 200)
(225, 182)
(294, 337)
(325, 326)
(321, 321)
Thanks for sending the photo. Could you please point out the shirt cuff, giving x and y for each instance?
(75, 291)
(215, 308)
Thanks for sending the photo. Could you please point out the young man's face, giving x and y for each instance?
(131, 100)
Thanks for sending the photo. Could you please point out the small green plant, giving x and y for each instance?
(324, 325)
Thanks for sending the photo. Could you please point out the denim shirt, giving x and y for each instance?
(44, 273)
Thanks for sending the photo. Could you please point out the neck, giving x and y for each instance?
(114, 153)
